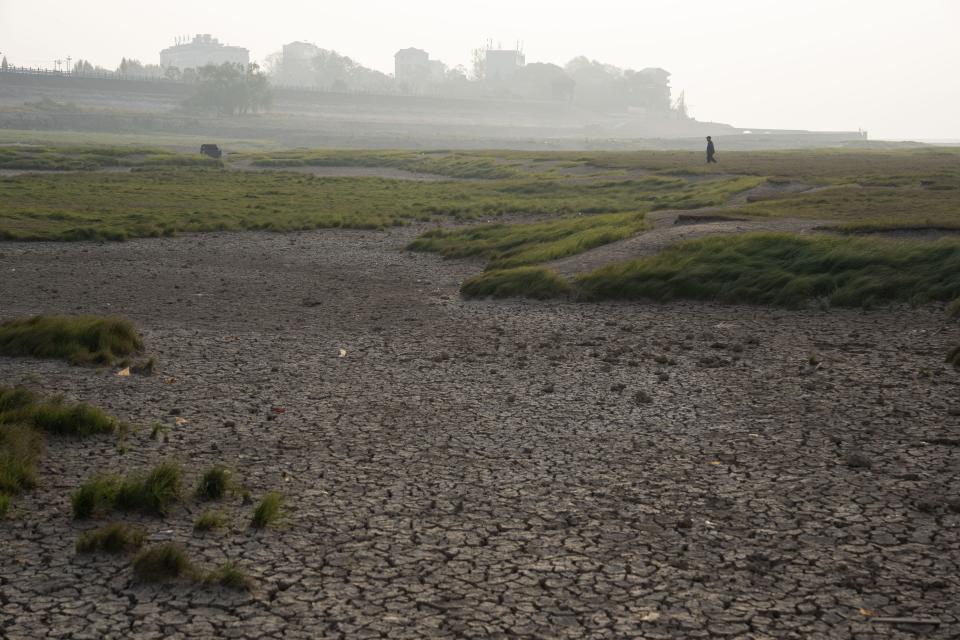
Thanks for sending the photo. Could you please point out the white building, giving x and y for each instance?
(204, 49)
(411, 66)
(502, 64)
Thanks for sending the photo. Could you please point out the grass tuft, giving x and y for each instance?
(230, 576)
(77, 339)
(528, 282)
(162, 563)
(52, 415)
(116, 537)
(209, 520)
(214, 483)
(152, 493)
(268, 511)
(4, 505)
(20, 449)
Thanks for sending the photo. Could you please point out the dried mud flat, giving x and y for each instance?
(492, 469)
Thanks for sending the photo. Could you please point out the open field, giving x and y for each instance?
(334, 440)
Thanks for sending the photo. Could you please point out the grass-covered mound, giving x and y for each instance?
(514, 245)
(526, 282)
(786, 270)
(78, 339)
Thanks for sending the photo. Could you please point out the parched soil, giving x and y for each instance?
(491, 469)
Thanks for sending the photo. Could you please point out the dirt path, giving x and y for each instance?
(477, 469)
(675, 226)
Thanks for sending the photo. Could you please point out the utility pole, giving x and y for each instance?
(69, 68)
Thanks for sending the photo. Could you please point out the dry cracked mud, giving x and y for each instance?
(478, 469)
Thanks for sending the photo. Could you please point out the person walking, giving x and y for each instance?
(711, 151)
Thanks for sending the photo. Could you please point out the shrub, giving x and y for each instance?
(528, 282)
(161, 563)
(214, 483)
(117, 537)
(209, 520)
(78, 339)
(268, 511)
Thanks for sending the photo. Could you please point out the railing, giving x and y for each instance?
(101, 75)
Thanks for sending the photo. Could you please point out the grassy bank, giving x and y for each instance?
(521, 282)
(77, 339)
(786, 270)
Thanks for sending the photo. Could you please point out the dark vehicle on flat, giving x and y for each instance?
(211, 150)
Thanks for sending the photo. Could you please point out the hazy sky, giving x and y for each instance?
(891, 67)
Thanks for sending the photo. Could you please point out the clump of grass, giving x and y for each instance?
(268, 511)
(116, 537)
(162, 563)
(52, 415)
(20, 449)
(214, 483)
(95, 496)
(209, 520)
(786, 270)
(77, 339)
(152, 493)
(231, 576)
(527, 282)
(4, 505)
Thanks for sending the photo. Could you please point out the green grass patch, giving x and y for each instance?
(77, 339)
(214, 483)
(52, 415)
(89, 158)
(5, 501)
(268, 511)
(786, 270)
(20, 449)
(162, 563)
(209, 520)
(116, 537)
(526, 282)
(152, 493)
(513, 245)
(230, 576)
(449, 164)
(111, 206)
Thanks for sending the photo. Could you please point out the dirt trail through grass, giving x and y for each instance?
(677, 224)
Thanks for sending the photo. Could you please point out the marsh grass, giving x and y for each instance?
(514, 245)
(116, 537)
(88, 158)
(5, 500)
(527, 282)
(786, 270)
(77, 339)
(53, 415)
(162, 563)
(20, 449)
(230, 576)
(152, 493)
(214, 483)
(268, 511)
(209, 520)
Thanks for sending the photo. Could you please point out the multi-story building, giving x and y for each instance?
(502, 64)
(204, 49)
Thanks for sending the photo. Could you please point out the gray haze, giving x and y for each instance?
(885, 66)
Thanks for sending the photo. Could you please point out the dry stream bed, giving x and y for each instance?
(491, 469)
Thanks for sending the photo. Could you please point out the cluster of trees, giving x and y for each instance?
(230, 89)
(581, 81)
